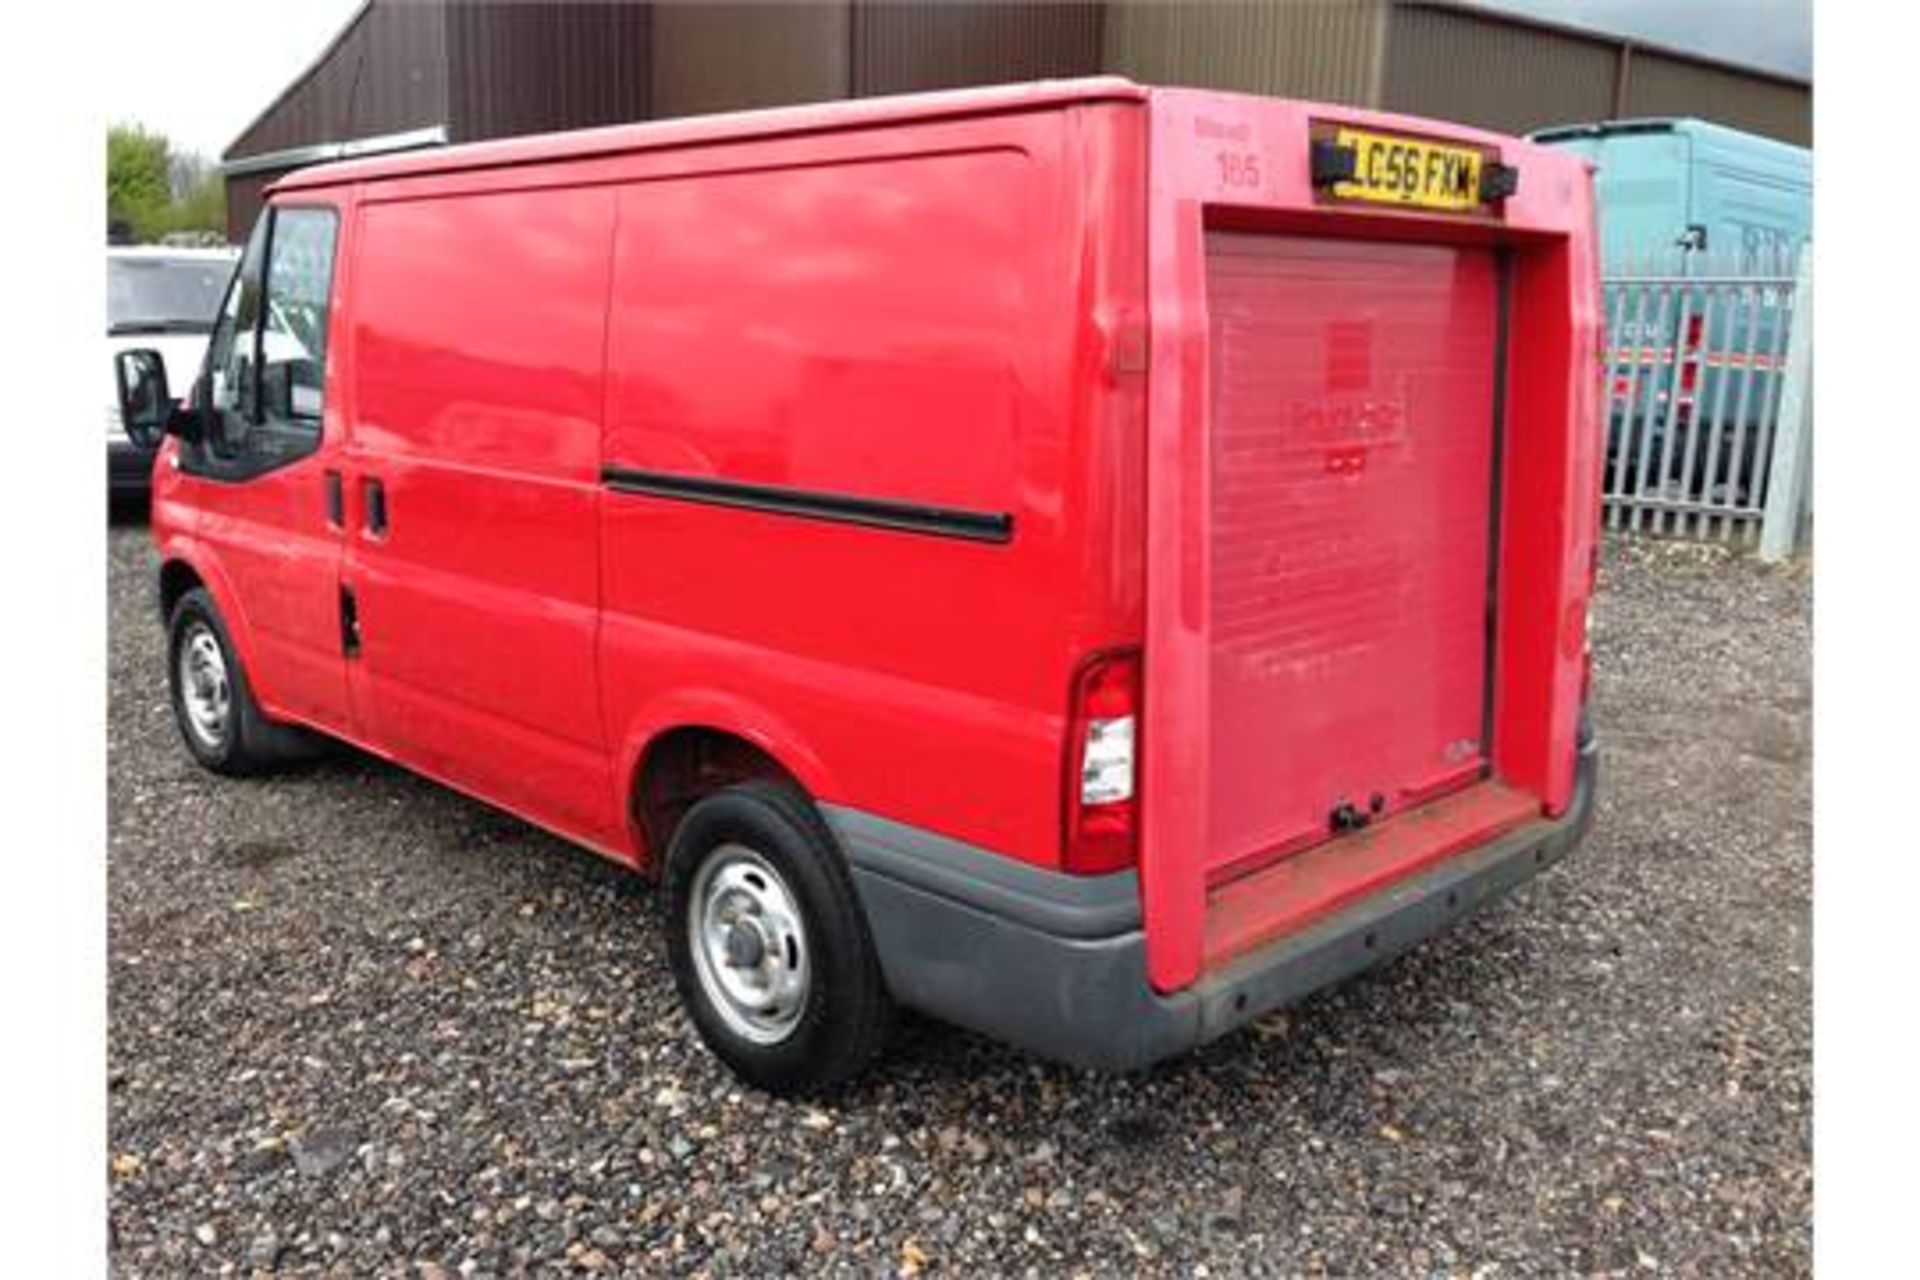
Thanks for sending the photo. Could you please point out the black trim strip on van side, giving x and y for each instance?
(813, 504)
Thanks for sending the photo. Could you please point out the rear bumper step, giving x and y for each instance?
(1057, 964)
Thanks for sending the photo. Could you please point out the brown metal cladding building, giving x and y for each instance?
(409, 73)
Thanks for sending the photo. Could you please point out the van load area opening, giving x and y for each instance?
(1352, 473)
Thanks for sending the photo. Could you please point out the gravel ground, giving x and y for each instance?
(361, 1025)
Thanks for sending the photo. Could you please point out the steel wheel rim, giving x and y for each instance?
(749, 944)
(206, 694)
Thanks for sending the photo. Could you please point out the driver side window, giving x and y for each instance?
(266, 367)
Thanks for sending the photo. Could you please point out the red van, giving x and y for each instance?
(1091, 563)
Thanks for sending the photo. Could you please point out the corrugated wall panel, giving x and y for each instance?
(386, 73)
(903, 48)
(726, 57)
(1658, 85)
(1451, 65)
(1328, 52)
(530, 68)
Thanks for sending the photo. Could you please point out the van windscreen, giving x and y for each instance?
(161, 295)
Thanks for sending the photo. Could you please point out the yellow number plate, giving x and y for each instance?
(1409, 171)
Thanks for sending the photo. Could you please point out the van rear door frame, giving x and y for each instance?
(1243, 161)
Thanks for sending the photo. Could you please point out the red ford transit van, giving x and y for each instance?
(1091, 563)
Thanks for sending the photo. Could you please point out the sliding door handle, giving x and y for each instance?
(373, 503)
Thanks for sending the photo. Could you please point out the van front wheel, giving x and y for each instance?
(213, 705)
(769, 950)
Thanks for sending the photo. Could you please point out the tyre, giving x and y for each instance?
(769, 950)
(213, 705)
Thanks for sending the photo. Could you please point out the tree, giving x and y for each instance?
(153, 190)
(186, 170)
(138, 189)
(203, 206)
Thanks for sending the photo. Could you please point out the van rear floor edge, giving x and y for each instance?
(1246, 912)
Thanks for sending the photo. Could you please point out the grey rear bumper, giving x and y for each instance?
(1056, 964)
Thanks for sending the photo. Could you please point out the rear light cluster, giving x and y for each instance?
(1103, 740)
(1696, 328)
(1690, 356)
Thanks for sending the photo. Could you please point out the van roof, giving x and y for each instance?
(1692, 126)
(580, 144)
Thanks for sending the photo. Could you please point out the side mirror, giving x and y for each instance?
(145, 406)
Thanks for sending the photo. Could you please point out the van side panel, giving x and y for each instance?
(1759, 215)
(793, 328)
(478, 361)
(840, 453)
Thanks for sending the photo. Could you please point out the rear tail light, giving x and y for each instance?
(1103, 740)
(1690, 366)
(1689, 355)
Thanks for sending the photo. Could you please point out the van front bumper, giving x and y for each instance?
(1057, 964)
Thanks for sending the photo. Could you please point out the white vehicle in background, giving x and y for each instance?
(165, 300)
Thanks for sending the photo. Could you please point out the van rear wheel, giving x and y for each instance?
(769, 950)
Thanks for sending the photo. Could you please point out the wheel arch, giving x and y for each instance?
(184, 566)
(692, 746)
(176, 578)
